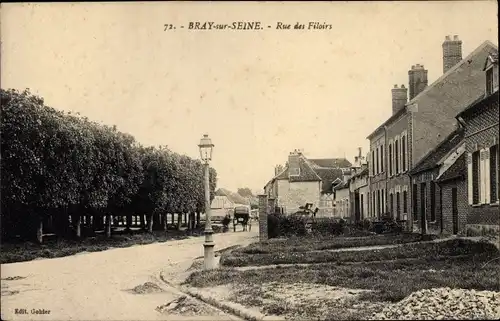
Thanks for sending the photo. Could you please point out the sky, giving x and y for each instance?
(258, 94)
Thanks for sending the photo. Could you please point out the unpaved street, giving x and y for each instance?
(96, 286)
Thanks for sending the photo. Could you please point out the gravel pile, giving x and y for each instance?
(147, 288)
(444, 304)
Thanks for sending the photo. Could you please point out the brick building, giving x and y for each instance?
(480, 121)
(418, 125)
(427, 175)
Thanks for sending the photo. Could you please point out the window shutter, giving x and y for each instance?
(406, 154)
(487, 187)
(470, 191)
(481, 177)
(401, 154)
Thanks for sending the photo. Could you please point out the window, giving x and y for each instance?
(405, 202)
(433, 201)
(382, 158)
(476, 178)
(377, 168)
(382, 206)
(391, 205)
(403, 153)
(361, 206)
(489, 81)
(414, 202)
(390, 159)
(372, 210)
(398, 207)
(373, 163)
(396, 154)
(423, 199)
(378, 202)
(494, 174)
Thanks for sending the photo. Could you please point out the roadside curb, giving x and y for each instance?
(234, 308)
(228, 307)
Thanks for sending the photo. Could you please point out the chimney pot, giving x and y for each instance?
(402, 86)
(447, 38)
(455, 37)
(395, 86)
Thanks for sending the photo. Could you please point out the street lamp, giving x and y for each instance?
(206, 148)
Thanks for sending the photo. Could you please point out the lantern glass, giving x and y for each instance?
(206, 148)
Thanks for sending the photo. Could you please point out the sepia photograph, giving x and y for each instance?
(249, 160)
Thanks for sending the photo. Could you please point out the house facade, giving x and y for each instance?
(453, 186)
(304, 180)
(377, 180)
(420, 124)
(221, 202)
(480, 121)
(429, 175)
(359, 195)
(342, 200)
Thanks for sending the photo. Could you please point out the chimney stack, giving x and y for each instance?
(417, 80)
(399, 98)
(293, 163)
(452, 52)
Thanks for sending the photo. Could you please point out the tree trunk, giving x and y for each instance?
(179, 221)
(78, 226)
(108, 225)
(87, 221)
(143, 221)
(165, 222)
(150, 223)
(185, 219)
(39, 231)
(129, 222)
(189, 220)
(156, 222)
(198, 220)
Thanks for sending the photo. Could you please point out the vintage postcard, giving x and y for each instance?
(250, 160)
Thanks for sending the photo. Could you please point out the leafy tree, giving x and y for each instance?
(245, 192)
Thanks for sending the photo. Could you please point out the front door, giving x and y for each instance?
(357, 214)
(454, 210)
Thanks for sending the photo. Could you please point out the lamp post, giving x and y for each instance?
(206, 148)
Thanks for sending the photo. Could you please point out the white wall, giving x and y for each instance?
(295, 194)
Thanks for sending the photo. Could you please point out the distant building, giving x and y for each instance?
(342, 200)
(222, 202)
(304, 180)
(359, 191)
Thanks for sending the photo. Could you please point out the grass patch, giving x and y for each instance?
(454, 247)
(325, 243)
(390, 281)
(27, 251)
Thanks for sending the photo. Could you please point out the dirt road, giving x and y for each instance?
(97, 286)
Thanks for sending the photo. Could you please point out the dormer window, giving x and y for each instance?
(489, 82)
(491, 70)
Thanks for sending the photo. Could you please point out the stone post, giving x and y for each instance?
(271, 205)
(263, 212)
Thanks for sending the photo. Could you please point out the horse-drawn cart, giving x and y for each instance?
(242, 216)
